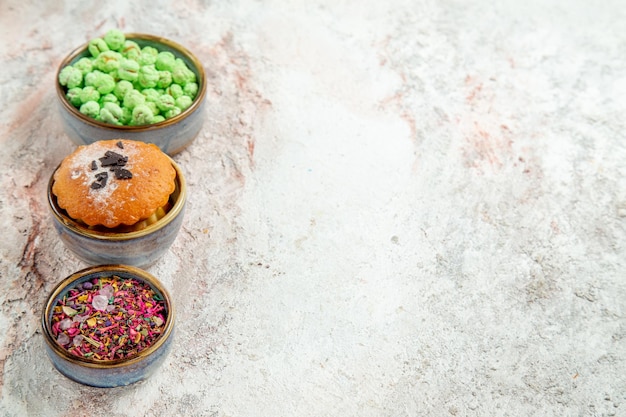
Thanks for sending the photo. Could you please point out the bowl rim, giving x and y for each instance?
(111, 269)
(76, 227)
(197, 102)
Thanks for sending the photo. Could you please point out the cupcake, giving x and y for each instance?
(117, 185)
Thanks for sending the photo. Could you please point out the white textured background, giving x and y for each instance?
(407, 208)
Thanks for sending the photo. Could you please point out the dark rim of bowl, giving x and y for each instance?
(107, 270)
(177, 208)
(181, 50)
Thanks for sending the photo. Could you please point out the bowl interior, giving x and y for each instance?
(80, 277)
(162, 44)
(176, 201)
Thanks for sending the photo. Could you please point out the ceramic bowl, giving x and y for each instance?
(171, 135)
(108, 373)
(140, 248)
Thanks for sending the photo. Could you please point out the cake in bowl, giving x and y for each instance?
(115, 184)
(117, 201)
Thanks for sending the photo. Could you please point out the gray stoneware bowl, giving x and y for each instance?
(140, 248)
(108, 373)
(171, 135)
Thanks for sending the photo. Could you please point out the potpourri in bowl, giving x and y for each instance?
(108, 325)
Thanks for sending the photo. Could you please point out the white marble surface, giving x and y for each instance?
(403, 208)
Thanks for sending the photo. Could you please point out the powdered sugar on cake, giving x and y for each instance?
(82, 165)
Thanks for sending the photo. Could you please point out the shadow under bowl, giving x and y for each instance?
(141, 248)
(108, 373)
(171, 135)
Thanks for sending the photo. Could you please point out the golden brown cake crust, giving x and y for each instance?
(119, 188)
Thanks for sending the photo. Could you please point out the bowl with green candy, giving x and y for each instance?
(133, 86)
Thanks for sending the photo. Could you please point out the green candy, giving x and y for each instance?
(183, 102)
(153, 107)
(111, 113)
(104, 83)
(166, 102)
(109, 98)
(131, 50)
(151, 94)
(133, 98)
(148, 76)
(171, 113)
(122, 88)
(124, 84)
(92, 77)
(165, 79)
(128, 70)
(165, 61)
(84, 65)
(114, 39)
(175, 90)
(89, 93)
(148, 55)
(70, 77)
(73, 96)
(97, 46)
(183, 75)
(191, 89)
(108, 61)
(142, 115)
(115, 75)
(91, 109)
(127, 116)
